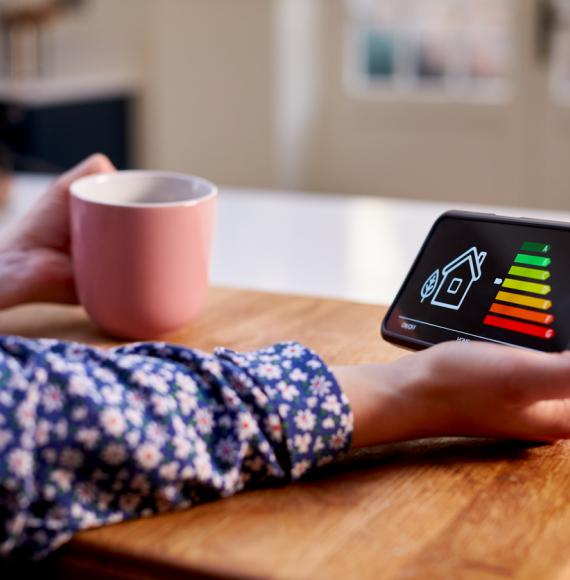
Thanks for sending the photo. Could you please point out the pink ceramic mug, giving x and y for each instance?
(141, 249)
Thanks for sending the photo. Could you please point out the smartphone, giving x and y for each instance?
(487, 278)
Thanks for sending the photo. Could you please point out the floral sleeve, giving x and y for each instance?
(90, 437)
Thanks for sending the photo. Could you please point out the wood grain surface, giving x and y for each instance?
(446, 508)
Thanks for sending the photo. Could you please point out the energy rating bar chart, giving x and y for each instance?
(530, 316)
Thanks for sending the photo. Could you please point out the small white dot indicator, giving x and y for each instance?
(498, 281)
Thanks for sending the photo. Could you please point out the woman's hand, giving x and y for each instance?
(471, 389)
(35, 263)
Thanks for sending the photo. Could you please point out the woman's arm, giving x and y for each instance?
(89, 437)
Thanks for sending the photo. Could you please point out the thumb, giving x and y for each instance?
(96, 163)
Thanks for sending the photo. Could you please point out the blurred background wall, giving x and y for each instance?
(210, 89)
(439, 99)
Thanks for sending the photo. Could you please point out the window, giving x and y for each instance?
(450, 47)
(454, 286)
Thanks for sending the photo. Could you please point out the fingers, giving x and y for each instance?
(547, 420)
(506, 374)
(538, 377)
(36, 276)
(55, 199)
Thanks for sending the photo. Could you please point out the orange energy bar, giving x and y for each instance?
(540, 317)
(523, 300)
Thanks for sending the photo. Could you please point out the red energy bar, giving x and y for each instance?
(522, 327)
(532, 315)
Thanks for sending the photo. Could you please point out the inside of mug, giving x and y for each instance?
(142, 188)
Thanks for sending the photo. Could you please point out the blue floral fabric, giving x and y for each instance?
(91, 437)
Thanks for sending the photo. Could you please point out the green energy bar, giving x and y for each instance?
(535, 247)
(533, 260)
(529, 273)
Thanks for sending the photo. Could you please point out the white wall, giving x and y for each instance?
(100, 36)
(209, 89)
(232, 89)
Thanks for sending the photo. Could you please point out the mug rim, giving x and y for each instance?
(100, 178)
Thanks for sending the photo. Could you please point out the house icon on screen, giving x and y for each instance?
(457, 278)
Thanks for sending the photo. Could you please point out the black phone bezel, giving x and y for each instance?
(416, 344)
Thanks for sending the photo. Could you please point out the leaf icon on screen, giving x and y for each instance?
(430, 285)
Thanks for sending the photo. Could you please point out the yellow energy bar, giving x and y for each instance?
(540, 303)
(533, 287)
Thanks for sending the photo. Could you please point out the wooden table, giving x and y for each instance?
(453, 508)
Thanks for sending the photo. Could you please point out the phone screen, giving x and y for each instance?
(483, 279)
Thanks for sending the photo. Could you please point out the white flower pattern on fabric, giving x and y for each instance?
(89, 437)
(305, 420)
